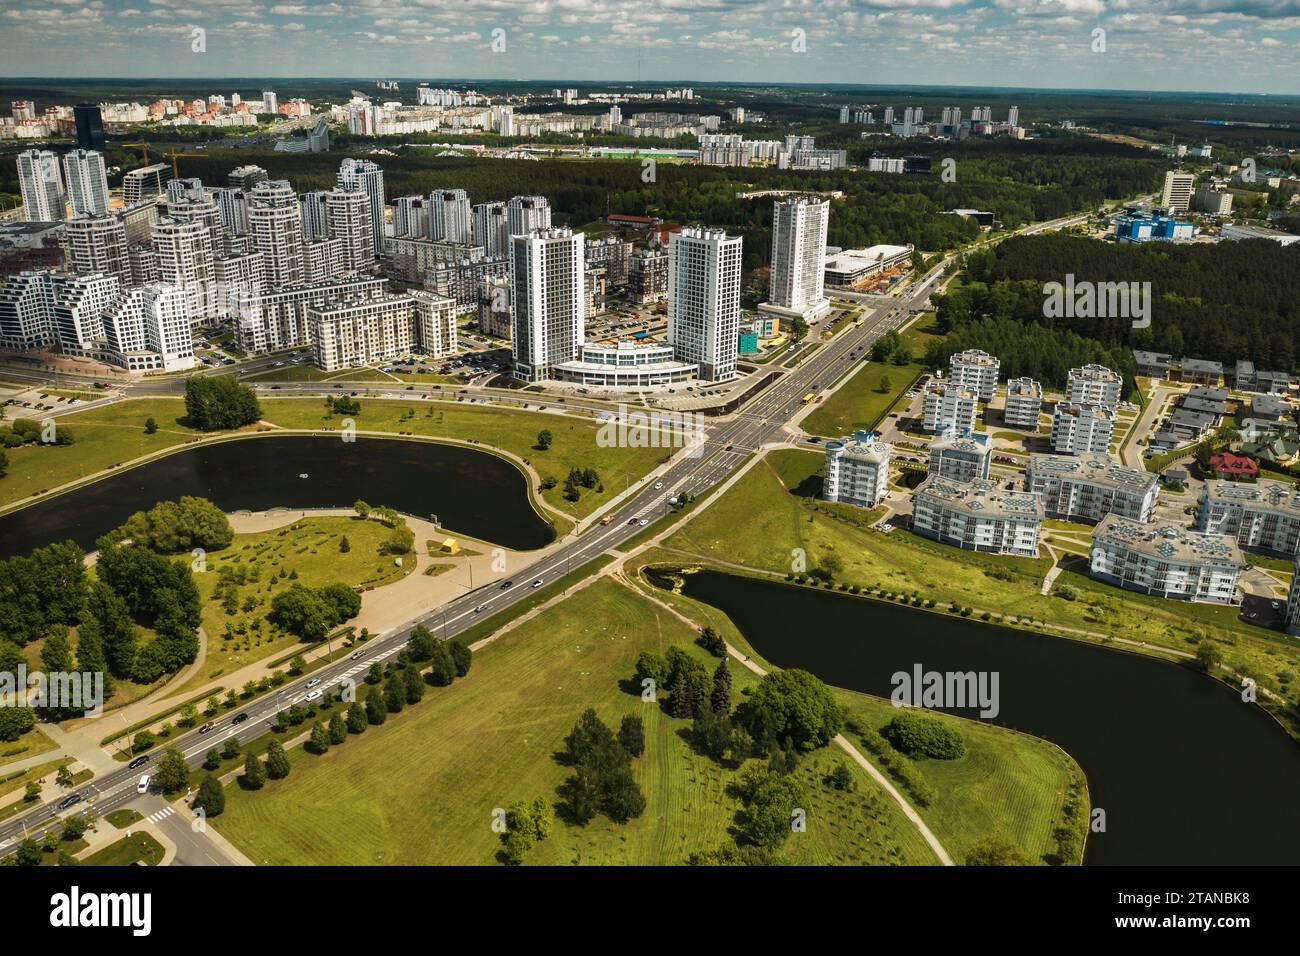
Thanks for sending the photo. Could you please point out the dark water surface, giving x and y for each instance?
(1186, 772)
(472, 492)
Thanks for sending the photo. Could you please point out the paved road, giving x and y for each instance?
(729, 441)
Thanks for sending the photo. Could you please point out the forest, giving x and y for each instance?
(1222, 301)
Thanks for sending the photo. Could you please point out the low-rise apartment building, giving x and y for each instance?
(857, 470)
(1024, 403)
(1090, 486)
(353, 333)
(1264, 515)
(1081, 428)
(961, 457)
(1166, 560)
(977, 370)
(978, 516)
(947, 405)
(1094, 385)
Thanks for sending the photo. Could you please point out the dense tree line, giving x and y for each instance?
(311, 613)
(1227, 301)
(171, 527)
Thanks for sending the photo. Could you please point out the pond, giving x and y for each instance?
(1186, 772)
(472, 492)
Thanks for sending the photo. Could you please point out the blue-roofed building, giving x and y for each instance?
(1135, 227)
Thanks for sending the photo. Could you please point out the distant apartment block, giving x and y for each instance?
(1081, 428)
(277, 319)
(1166, 560)
(1176, 195)
(961, 457)
(976, 370)
(857, 470)
(1094, 385)
(1024, 403)
(978, 516)
(1090, 486)
(147, 182)
(1264, 515)
(349, 334)
(946, 406)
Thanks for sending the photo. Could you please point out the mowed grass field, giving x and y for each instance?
(861, 402)
(309, 548)
(770, 511)
(421, 789)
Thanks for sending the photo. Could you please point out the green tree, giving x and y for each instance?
(1208, 656)
(150, 426)
(395, 693)
(361, 508)
(231, 749)
(996, 851)
(791, 704)
(376, 711)
(461, 655)
(442, 666)
(277, 761)
(631, 735)
(212, 759)
(211, 798)
(320, 738)
(414, 685)
(338, 729)
(254, 777)
(544, 438)
(213, 403)
(720, 699)
(172, 772)
(357, 720)
(344, 546)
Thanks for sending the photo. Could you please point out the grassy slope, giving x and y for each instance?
(775, 521)
(421, 789)
(27, 745)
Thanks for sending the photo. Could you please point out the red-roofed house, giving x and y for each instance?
(1227, 465)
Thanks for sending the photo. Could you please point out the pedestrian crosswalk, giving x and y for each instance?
(160, 815)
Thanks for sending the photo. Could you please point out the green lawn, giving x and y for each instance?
(422, 788)
(309, 548)
(27, 745)
(863, 400)
(123, 818)
(770, 511)
(127, 852)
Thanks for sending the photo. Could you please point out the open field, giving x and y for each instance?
(773, 510)
(421, 789)
(309, 550)
(862, 402)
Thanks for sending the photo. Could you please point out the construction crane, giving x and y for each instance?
(141, 146)
(144, 147)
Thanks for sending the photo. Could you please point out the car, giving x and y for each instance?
(143, 785)
(507, 585)
(206, 727)
(633, 521)
(70, 800)
(480, 609)
(137, 762)
(315, 695)
(313, 682)
(238, 719)
(537, 583)
(643, 522)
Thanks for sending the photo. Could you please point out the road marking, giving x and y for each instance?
(160, 815)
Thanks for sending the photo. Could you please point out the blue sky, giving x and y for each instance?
(1221, 45)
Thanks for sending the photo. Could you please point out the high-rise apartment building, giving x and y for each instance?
(146, 182)
(87, 181)
(183, 257)
(492, 228)
(96, 244)
(449, 215)
(1177, 193)
(526, 213)
(315, 217)
(147, 330)
(799, 226)
(546, 279)
(976, 370)
(704, 300)
(1094, 385)
(41, 185)
(348, 215)
(275, 224)
(411, 217)
(368, 177)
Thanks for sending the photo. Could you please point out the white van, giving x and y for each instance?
(143, 785)
(315, 695)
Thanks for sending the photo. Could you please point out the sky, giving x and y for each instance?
(1247, 46)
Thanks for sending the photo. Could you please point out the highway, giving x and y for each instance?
(728, 443)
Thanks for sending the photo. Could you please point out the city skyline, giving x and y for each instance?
(1160, 46)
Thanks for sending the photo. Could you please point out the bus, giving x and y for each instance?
(809, 397)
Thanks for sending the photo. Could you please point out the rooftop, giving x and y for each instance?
(974, 357)
(1094, 467)
(1094, 373)
(1025, 387)
(981, 498)
(1168, 542)
(1273, 495)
